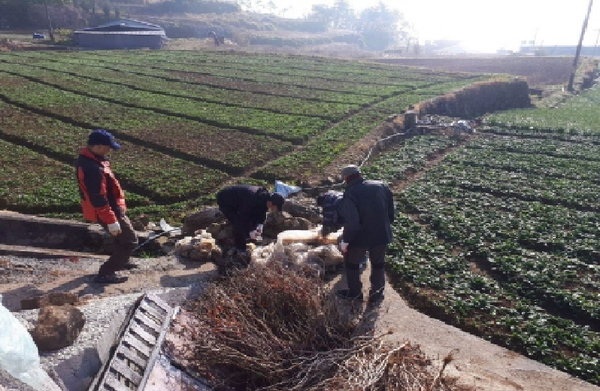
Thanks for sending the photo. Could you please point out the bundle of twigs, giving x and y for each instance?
(270, 328)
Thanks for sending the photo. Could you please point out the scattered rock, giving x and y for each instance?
(57, 327)
(201, 247)
(329, 255)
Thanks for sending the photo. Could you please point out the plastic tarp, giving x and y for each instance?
(286, 190)
(19, 354)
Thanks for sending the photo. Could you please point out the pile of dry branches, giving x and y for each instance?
(268, 327)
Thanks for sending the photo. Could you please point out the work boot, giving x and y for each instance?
(377, 278)
(129, 266)
(353, 280)
(108, 279)
(376, 297)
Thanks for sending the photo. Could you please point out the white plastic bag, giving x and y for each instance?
(286, 190)
(167, 228)
(19, 354)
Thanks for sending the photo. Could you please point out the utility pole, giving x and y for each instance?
(50, 30)
(596, 43)
(576, 60)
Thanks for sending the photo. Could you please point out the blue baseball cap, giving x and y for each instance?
(103, 137)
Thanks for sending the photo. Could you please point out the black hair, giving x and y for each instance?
(277, 200)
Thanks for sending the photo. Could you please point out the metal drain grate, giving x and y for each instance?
(133, 358)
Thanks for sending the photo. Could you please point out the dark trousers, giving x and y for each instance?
(352, 264)
(124, 243)
(240, 231)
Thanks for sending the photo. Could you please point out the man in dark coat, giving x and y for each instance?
(368, 211)
(103, 201)
(246, 209)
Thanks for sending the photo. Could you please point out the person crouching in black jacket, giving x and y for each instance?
(246, 209)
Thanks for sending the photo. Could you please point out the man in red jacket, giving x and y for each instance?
(103, 201)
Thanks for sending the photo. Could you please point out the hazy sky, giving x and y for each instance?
(486, 24)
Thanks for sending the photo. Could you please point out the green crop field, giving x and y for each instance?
(189, 121)
(502, 237)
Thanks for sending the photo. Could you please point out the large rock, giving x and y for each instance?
(201, 220)
(140, 223)
(297, 209)
(51, 299)
(57, 327)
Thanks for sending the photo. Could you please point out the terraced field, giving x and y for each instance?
(189, 121)
(502, 237)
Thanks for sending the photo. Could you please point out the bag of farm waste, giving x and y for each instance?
(311, 236)
(19, 354)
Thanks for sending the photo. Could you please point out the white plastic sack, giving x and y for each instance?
(285, 190)
(298, 236)
(19, 354)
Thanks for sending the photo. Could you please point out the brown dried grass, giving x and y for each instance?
(479, 99)
(269, 327)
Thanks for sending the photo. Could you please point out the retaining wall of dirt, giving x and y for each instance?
(479, 99)
(23, 230)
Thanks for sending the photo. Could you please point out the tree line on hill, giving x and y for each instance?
(379, 26)
(72, 14)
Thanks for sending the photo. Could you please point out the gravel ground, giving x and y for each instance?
(168, 277)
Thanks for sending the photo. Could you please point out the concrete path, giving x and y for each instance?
(478, 363)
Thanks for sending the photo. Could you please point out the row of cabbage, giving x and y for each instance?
(576, 116)
(288, 127)
(373, 80)
(142, 89)
(189, 123)
(501, 240)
